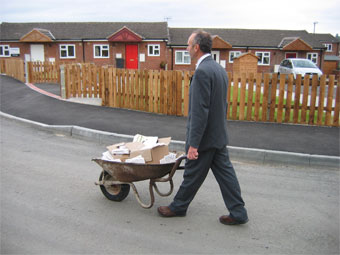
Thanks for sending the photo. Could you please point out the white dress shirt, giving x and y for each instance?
(201, 59)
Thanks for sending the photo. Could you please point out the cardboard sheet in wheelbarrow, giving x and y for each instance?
(151, 155)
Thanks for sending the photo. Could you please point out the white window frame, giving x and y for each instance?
(155, 50)
(185, 55)
(5, 51)
(313, 56)
(65, 48)
(329, 47)
(102, 47)
(263, 55)
(232, 55)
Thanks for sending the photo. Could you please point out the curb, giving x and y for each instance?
(236, 153)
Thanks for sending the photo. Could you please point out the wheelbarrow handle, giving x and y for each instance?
(173, 170)
(179, 161)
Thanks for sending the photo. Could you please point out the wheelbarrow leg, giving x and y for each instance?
(163, 194)
(152, 196)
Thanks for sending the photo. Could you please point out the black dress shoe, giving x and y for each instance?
(227, 220)
(166, 212)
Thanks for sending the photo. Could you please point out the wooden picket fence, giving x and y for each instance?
(82, 80)
(38, 72)
(14, 68)
(304, 100)
(164, 92)
(260, 97)
(154, 91)
(43, 72)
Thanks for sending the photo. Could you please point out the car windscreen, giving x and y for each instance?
(303, 64)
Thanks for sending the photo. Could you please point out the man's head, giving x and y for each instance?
(199, 43)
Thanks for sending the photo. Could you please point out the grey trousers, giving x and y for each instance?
(194, 175)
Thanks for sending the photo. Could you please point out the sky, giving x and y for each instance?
(323, 16)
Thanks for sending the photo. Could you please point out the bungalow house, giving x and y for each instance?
(154, 45)
(125, 45)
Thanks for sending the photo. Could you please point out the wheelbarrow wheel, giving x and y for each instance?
(117, 192)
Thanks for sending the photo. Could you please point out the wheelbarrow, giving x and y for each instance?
(117, 177)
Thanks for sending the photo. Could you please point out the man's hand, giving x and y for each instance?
(192, 153)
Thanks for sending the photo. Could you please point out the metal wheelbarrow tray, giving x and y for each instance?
(117, 177)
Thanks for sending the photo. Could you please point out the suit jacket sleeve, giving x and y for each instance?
(200, 104)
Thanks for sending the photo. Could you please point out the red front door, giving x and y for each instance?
(291, 55)
(131, 53)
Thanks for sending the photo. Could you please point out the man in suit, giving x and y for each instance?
(206, 137)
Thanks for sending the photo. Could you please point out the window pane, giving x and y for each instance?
(1, 51)
(187, 57)
(97, 51)
(260, 57)
(105, 53)
(178, 56)
(150, 50)
(157, 50)
(63, 54)
(70, 51)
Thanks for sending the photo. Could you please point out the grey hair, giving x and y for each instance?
(203, 39)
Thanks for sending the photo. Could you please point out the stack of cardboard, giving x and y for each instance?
(151, 149)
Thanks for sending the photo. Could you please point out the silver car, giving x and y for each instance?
(298, 66)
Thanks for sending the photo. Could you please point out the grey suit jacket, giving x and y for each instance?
(206, 126)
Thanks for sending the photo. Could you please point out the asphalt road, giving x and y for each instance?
(49, 204)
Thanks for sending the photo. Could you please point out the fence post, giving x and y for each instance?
(62, 82)
(269, 100)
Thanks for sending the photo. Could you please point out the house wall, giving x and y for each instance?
(184, 67)
(84, 52)
(24, 49)
(89, 53)
(167, 54)
(153, 62)
(276, 56)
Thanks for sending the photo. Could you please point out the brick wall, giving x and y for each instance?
(84, 53)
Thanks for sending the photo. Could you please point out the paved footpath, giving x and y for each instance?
(19, 100)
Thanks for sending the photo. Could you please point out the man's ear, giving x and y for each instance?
(196, 47)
